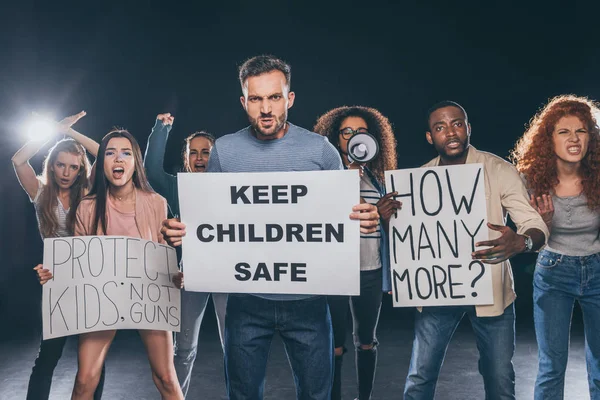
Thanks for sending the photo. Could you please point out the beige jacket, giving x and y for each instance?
(504, 193)
(150, 212)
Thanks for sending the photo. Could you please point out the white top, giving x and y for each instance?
(60, 211)
(370, 242)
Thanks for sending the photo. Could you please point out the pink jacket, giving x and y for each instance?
(150, 212)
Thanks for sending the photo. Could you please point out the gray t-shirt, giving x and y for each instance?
(575, 228)
(60, 211)
(370, 258)
(298, 150)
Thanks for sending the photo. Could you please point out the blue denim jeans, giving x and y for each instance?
(495, 338)
(193, 305)
(558, 281)
(305, 328)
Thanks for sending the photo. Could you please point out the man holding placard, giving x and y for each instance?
(272, 144)
(449, 132)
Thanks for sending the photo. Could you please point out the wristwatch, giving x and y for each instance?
(528, 243)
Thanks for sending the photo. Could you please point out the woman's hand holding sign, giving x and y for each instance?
(44, 275)
(178, 280)
(388, 205)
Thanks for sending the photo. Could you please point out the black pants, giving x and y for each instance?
(43, 369)
(365, 311)
(365, 315)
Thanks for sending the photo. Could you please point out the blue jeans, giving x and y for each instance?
(558, 281)
(193, 305)
(495, 337)
(305, 328)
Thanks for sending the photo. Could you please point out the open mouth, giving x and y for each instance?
(267, 121)
(65, 181)
(453, 144)
(200, 167)
(118, 172)
(574, 150)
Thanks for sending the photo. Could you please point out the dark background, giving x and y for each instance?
(126, 62)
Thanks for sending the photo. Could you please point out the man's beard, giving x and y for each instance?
(443, 151)
(278, 124)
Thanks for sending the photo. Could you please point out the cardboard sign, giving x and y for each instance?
(109, 282)
(284, 232)
(443, 215)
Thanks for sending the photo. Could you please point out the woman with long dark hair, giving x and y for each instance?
(559, 157)
(339, 125)
(122, 203)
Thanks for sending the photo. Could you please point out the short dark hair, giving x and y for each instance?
(443, 104)
(259, 65)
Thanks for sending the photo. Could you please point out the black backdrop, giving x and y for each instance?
(125, 62)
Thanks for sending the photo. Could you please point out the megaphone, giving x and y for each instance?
(362, 148)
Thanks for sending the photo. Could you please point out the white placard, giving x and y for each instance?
(443, 215)
(109, 282)
(287, 232)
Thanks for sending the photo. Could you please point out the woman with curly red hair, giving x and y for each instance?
(339, 125)
(559, 157)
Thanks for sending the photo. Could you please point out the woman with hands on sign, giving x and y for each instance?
(122, 203)
(339, 126)
(559, 158)
(55, 194)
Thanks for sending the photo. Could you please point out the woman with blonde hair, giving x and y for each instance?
(55, 194)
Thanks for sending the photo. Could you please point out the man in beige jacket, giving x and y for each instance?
(494, 325)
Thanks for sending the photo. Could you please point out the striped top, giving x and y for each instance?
(298, 150)
(60, 211)
(370, 242)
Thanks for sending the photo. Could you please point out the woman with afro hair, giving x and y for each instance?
(339, 125)
(559, 157)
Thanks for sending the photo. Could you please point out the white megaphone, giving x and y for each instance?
(362, 148)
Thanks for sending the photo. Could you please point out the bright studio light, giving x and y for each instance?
(40, 128)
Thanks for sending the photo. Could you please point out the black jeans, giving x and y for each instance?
(365, 315)
(43, 369)
(365, 311)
